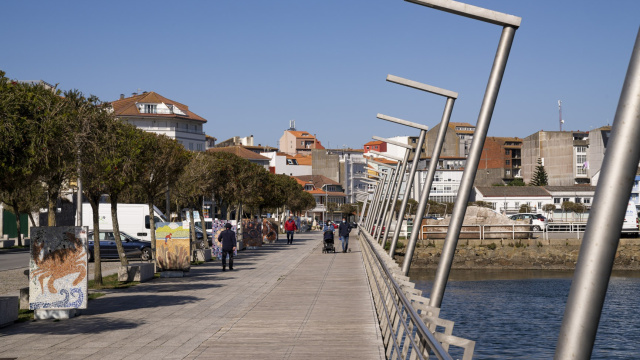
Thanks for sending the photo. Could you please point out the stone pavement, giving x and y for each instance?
(281, 302)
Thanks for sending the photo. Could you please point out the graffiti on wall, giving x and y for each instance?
(173, 246)
(257, 232)
(58, 268)
(216, 228)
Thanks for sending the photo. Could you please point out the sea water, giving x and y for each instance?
(517, 314)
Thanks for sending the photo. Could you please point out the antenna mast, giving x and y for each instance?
(560, 113)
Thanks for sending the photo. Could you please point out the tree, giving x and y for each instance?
(567, 206)
(348, 209)
(331, 208)
(302, 201)
(540, 177)
(516, 182)
(548, 209)
(160, 165)
(28, 199)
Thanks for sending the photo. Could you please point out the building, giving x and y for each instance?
(210, 142)
(324, 191)
(500, 161)
(507, 200)
(293, 142)
(155, 113)
(281, 163)
(562, 153)
(457, 141)
(245, 154)
(237, 140)
(376, 145)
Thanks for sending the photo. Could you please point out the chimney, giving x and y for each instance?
(121, 96)
(134, 94)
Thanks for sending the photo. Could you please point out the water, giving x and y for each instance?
(517, 314)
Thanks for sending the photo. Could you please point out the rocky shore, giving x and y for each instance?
(520, 256)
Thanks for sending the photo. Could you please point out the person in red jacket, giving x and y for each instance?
(290, 227)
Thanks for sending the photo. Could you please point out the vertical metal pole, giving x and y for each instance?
(364, 208)
(460, 207)
(407, 192)
(383, 212)
(383, 192)
(374, 202)
(600, 241)
(424, 197)
(396, 193)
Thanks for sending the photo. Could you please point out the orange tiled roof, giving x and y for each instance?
(303, 159)
(301, 134)
(127, 106)
(374, 142)
(317, 180)
(241, 152)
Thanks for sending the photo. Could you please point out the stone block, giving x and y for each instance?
(24, 298)
(138, 272)
(171, 274)
(8, 310)
(7, 243)
(204, 255)
(56, 314)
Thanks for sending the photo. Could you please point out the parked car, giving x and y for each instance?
(537, 221)
(133, 247)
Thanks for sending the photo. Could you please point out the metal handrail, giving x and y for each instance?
(423, 332)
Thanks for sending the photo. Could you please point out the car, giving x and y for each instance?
(537, 221)
(133, 247)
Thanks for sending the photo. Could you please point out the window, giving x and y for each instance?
(508, 162)
(581, 149)
(565, 199)
(190, 146)
(539, 204)
(587, 200)
(150, 108)
(580, 170)
(517, 203)
(578, 200)
(507, 152)
(556, 201)
(507, 172)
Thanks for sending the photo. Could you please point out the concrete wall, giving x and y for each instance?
(325, 164)
(452, 144)
(556, 148)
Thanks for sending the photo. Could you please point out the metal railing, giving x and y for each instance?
(407, 323)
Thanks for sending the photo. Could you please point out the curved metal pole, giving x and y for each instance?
(601, 238)
(407, 192)
(480, 134)
(426, 190)
(396, 193)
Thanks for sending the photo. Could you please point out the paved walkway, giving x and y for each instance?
(281, 302)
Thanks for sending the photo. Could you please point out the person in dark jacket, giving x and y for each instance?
(343, 230)
(228, 240)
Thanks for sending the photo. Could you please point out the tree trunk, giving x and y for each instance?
(152, 227)
(51, 216)
(15, 211)
(97, 263)
(116, 230)
(192, 231)
(204, 227)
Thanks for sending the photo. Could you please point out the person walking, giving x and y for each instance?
(228, 240)
(343, 230)
(290, 226)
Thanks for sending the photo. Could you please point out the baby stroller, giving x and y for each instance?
(328, 242)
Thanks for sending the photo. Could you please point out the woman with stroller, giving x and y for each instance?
(327, 237)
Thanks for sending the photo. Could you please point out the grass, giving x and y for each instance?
(197, 263)
(111, 282)
(24, 315)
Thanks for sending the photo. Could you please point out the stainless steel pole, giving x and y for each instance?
(396, 194)
(383, 212)
(379, 204)
(480, 134)
(374, 204)
(407, 192)
(426, 190)
(600, 241)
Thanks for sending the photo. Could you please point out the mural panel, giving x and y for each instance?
(217, 228)
(58, 268)
(173, 246)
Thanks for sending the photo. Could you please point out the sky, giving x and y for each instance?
(249, 67)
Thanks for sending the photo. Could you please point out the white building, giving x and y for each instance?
(155, 113)
(281, 163)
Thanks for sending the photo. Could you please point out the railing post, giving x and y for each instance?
(601, 238)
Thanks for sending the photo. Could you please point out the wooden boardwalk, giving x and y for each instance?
(281, 302)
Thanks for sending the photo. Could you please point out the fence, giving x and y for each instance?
(408, 324)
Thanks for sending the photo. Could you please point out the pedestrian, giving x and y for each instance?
(343, 230)
(290, 226)
(228, 240)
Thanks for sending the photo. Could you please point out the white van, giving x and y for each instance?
(132, 218)
(630, 224)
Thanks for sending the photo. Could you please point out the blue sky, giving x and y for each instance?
(249, 67)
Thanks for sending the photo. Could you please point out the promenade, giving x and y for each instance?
(281, 302)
